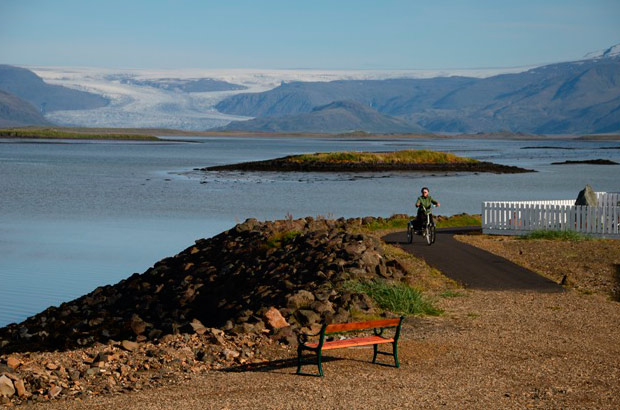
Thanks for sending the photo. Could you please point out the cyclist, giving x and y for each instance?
(424, 204)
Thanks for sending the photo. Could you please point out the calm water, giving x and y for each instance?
(75, 215)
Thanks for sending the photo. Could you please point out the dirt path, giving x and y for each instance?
(470, 266)
(492, 349)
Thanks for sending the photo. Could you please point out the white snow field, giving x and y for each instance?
(135, 105)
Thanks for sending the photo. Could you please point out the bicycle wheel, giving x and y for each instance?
(409, 233)
(432, 233)
(427, 235)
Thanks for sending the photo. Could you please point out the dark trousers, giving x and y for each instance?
(421, 219)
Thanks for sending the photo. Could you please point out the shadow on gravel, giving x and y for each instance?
(616, 288)
(275, 365)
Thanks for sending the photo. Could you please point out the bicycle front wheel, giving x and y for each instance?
(432, 233)
(427, 235)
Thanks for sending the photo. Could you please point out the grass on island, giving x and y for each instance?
(398, 157)
(398, 298)
(50, 133)
(557, 236)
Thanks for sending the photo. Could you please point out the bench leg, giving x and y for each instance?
(319, 363)
(299, 350)
(395, 352)
(300, 361)
(375, 351)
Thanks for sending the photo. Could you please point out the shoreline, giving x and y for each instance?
(163, 132)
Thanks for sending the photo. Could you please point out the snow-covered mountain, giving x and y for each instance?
(145, 99)
(612, 51)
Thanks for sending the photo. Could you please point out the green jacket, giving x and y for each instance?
(426, 203)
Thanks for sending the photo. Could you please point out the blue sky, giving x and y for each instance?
(381, 34)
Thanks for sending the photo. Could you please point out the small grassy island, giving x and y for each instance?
(51, 133)
(408, 160)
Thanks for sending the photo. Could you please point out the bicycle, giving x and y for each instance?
(427, 230)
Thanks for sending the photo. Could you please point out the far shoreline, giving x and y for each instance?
(159, 134)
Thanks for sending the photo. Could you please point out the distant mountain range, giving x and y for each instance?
(28, 86)
(335, 117)
(564, 98)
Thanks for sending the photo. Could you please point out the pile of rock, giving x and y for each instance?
(124, 366)
(256, 283)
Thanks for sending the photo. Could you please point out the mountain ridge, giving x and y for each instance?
(562, 98)
(335, 117)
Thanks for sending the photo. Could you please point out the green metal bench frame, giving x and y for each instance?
(376, 325)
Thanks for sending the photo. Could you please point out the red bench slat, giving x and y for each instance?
(362, 341)
(373, 324)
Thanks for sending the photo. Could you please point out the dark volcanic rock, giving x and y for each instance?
(587, 161)
(229, 281)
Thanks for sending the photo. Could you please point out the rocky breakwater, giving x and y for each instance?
(221, 302)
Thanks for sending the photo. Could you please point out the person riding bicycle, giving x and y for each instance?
(424, 204)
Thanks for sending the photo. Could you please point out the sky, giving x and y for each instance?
(293, 34)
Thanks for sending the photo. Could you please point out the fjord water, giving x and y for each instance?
(77, 215)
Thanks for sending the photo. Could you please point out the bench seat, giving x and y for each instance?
(360, 341)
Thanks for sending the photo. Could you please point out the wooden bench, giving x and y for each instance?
(376, 325)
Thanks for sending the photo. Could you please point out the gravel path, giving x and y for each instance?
(492, 349)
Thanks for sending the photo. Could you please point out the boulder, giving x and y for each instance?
(198, 327)
(6, 387)
(274, 319)
(303, 298)
(308, 317)
(13, 362)
(137, 324)
(21, 389)
(129, 345)
(587, 197)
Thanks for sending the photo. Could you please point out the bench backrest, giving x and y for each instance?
(372, 324)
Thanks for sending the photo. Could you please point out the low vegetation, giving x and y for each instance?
(282, 239)
(399, 222)
(398, 298)
(51, 133)
(557, 236)
(398, 157)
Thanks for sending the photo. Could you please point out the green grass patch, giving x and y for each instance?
(393, 223)
(457, 221)
(557, 236)
(398, 298)
(282, 239)
(50, 133)
(398, 157)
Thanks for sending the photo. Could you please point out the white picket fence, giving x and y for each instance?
(521, 217)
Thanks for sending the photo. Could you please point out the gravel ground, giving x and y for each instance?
(589, 266)
(492, 349)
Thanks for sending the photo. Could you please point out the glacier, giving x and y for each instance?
(135, 105)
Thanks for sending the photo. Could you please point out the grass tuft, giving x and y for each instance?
(398, 157)
(282, 239)
(557, 236)
(451, 294)
(397, 298)
(51, 133)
